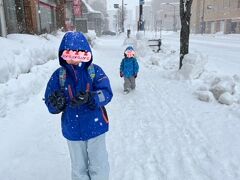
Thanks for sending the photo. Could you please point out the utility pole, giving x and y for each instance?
(2, 20)
(122, 15)
(116, 6)
(140, 21)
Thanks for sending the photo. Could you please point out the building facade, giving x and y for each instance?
(212, 16)
(31, 16)
(100, 6)
(45, 16)
(166, 14)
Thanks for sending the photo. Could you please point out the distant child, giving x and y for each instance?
(129, 69)
(80, 90)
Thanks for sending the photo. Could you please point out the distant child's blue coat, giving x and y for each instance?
(129, 67)
(80, 122)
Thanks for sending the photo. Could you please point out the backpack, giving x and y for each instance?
(92, 74)
(63, 74)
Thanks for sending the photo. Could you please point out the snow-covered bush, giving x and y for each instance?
(193, 66)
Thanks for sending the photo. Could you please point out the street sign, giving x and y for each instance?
(116, 5)
(141, 2)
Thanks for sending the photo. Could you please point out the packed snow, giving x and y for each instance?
(176, 125)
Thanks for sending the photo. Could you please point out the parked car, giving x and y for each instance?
(108, 33)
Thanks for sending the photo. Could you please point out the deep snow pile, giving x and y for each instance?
(20, 52)
(22, 56)
(225, 89)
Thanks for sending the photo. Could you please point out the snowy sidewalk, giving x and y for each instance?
(161, 131)
(158, 132)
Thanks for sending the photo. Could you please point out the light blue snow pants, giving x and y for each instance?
(89, 159)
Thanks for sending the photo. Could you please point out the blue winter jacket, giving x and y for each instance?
(80, 122)
(129, 67)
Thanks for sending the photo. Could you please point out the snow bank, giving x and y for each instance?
(193, 66)
(206, 96)
(17, 91)
(20, 52)
(91, 37)
(225, 89)
(226, 98)
(140, 35)
(22, 56)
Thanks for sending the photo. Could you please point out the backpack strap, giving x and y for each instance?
(63, 74)
(62, 77)
(91, 71)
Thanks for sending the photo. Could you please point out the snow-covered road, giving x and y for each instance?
(222, 51)
(158, 132)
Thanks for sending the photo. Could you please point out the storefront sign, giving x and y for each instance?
(77, 8)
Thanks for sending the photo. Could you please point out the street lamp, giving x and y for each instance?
(174, 14)
(116, 6)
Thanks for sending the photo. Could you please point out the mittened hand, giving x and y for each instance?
(121, 74)
(135, 75)
(58, 100)
(84, 98)
(81, 98)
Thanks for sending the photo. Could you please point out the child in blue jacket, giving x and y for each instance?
(129, 69)
(80, 90)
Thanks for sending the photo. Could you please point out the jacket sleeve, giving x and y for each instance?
(136, 66)
(102, 92)
(52, 86)
(121, 66)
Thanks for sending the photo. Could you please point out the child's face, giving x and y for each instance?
(76, 57)
(130, 53)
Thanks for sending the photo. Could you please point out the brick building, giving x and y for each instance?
(212, 16)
